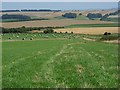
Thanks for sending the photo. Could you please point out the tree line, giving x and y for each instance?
(31, 10)
(102, 17)
(107, 15)
(24, 29)
(13, 16)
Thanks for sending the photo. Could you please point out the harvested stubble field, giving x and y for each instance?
(51, 23)
(90, 30)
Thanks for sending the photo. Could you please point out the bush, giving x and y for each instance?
(31, 38)
(23, 38)
(80, 13)
(108, 36)
(66, 32)
(55, 32)
(106, 33)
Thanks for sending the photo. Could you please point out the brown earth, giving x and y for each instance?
(50, 23)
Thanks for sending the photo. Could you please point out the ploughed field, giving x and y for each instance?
(51, 23)
(58, 60)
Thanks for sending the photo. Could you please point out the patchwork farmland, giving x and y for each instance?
(59, 52)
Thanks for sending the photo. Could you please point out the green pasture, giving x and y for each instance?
(58, 61)
(92, 25)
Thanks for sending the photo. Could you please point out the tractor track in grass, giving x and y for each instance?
(48, 66)
(77, 60)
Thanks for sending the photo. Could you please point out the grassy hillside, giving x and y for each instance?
(112, 19)
(82, 17)
(59, 63)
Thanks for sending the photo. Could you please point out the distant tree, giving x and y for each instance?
(72, 32)
(55, 32)
(105, 33)
(109, 33)
(23, 26)
(80, 13)
(66, 32)
(49, 30)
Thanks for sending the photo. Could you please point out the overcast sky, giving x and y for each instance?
(59, 5)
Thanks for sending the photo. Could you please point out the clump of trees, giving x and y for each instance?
(109, 36)
(94, 15)
(24, 29)
(70, 15)
(49, 30)
(13, 16)
(115, 13)
(15, 30)
(106, 33)
(105, 17)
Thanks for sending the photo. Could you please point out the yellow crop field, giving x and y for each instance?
(95, 30)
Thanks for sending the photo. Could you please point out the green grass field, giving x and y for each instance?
(112, 19)
(54, 62)
(82, 17)
(92, 25)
